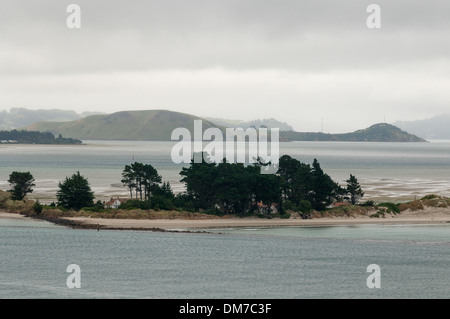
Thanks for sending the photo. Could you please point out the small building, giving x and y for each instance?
(115, 203)
(266, 209)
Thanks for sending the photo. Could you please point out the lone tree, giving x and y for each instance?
(144, 178)
(354, 189)
(75, 193)
(323, 189)
(151, 180)
(129, 179)
(21, 183)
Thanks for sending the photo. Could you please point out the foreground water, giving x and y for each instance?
(298, 262)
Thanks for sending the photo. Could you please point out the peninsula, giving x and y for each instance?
(381, 132)
(33, 137)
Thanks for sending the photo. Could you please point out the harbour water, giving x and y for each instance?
(387, 171)
(271, 263)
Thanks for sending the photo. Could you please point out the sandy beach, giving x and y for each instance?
(425, 216)
(11, 216)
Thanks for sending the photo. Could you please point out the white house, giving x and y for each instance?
(115, 203)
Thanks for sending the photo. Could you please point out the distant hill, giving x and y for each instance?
(151, 125)
(437, 127)
(376, 133)
(157, 125)
(21, 117)
(268, 123)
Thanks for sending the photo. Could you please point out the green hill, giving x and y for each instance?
(152, 125)
(157, 125)
(376, 133)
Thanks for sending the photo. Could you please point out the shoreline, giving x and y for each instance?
(198, 225)
(427, 216)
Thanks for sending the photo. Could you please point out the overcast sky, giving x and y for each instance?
(293, 60)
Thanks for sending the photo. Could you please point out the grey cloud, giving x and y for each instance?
(318, 57)
(191, 34)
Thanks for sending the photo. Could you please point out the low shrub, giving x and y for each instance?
(160, 202)
(23, 207)
(391, 207)
(431, 196)
(416, 205)
(304, 206)
(4, 196)
(289, 205)
(367, 203)
(135, 204)
(37, 207)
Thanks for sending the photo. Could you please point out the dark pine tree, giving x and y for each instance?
(75, 193)
(354, 190)
(22, 183)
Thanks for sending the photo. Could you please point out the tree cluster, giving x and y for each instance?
(143, 179)
(302, 183)
(233, 188)
(225, 188)
(230, 188)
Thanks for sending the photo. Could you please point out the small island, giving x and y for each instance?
(34, 137)
(219, 195)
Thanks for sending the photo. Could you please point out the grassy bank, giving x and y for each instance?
(26, 207)
(374, 210)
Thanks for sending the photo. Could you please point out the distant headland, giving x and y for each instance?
(157, 125)
(33, 137)
(381, 132)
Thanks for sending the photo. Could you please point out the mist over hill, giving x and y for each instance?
(437, 127)
(268, 123)
(21, 117)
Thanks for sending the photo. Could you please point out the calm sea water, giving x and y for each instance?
(397, 171)
(323, 262)
(297, 262)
